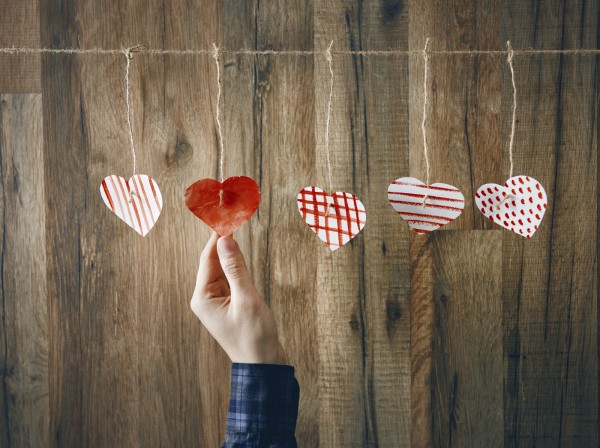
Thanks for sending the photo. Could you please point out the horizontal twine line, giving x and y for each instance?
(248, 52)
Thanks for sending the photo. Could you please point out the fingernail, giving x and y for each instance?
(226, 245)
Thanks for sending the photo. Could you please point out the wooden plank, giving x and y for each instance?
(363, 300)
(269, 135)
(452, 307)
(422, 329)
(463, 136)
(23, 329)
(550, 283)
(93, 340)
(171, 372)
(183, 373)
(466, 377)
(463, 124)
(19, 27)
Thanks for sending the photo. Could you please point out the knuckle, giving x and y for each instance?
(252, 306)
(234, 268)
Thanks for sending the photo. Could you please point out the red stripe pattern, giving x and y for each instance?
(336, 219)
(136, 201)
(444, 203)
(518, 206)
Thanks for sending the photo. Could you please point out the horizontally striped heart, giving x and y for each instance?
(336, 219)
(425, 208)
(136, 201)
(518, 206)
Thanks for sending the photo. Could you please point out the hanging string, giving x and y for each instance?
(216, 56)
(248, 52)
(509, 59)
(129, 58)
(514, 105)
(330, 63)
(425, 109)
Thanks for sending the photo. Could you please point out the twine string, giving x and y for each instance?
(329, 58)
(509, 59)
(425, 110)
(510, 56)
(216, 56)
(248, 52)
(128, 53)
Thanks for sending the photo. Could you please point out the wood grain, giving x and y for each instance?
(363, 300)
(463, 124)
(470, 336)
(20, 27)
(452, 308)
(466, 379)
(132, 331)
(273, 142)
(550, 288)
(23, 329)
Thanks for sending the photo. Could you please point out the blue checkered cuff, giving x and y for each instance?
(263, 406)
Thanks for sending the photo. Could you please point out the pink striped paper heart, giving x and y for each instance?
(136, 201)
(518, 206)
(444, 203)
(336, 219)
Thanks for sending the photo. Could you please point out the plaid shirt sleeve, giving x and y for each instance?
(263, 407)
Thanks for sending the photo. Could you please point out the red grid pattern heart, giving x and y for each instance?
(518, 206)
(336, 219)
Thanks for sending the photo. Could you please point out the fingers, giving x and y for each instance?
(209, 268)
(211, 245)
(234, 267)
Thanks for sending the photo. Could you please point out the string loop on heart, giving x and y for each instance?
(425, 110)
(217, 58)
(329, 59)
(509, 59)
(128, 53)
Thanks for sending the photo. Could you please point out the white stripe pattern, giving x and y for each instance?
(137, 201)
(425, 208)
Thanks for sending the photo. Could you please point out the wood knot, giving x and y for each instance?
(393, 313)
(179, 152)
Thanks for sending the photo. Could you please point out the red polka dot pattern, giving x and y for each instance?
(521, 196)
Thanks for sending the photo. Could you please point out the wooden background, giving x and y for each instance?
(470, 337)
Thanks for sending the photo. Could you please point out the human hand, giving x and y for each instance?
(227, 303)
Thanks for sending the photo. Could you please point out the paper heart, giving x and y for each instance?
(223, 206)
(136, 201)
(522, 203)
(336, 219)
(444, 203)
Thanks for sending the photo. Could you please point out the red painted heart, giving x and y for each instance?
(223, 206)
(336, 219)
(519, 205)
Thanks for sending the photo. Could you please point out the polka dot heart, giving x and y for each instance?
(519, 205)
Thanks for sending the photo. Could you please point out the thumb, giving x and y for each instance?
(234, 266)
